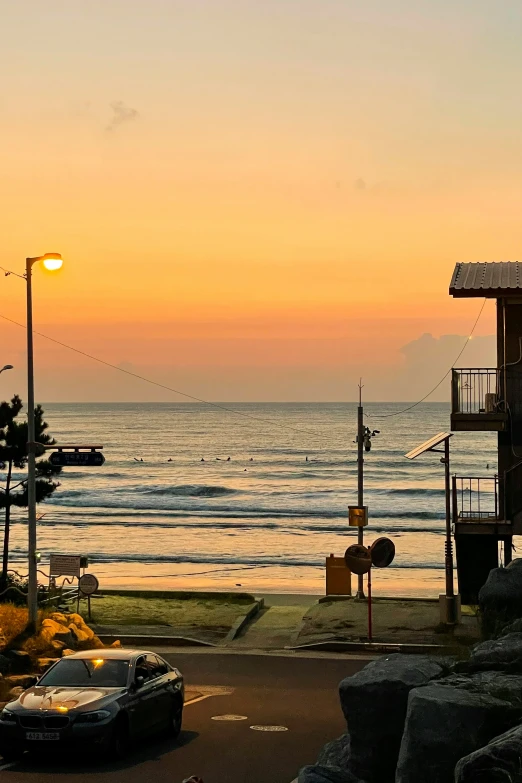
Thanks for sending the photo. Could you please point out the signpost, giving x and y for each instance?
(88, 459)
(65, 565)
(360, 560)
(88, 584)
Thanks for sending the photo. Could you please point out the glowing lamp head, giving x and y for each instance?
(52, 261)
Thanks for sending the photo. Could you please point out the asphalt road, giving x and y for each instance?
(299, 694)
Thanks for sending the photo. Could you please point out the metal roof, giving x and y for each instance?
(492, 279)
(428, 445)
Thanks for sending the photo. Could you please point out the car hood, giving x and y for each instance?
(50, 698)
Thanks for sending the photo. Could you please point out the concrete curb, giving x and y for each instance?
(142, 641)
(391, 647)
(242, 622)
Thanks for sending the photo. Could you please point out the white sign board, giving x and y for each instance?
(65, 565)
(88, 584)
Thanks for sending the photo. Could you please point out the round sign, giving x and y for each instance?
(382, 552)
(88, 584)
(357, 558)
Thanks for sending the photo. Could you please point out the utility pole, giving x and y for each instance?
(360, 479)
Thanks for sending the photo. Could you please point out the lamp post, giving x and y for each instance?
(52, 262)
(7, 367)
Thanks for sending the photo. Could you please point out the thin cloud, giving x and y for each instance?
(359, 184)
(121, 115)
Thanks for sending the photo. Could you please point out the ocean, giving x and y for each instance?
(263, 520)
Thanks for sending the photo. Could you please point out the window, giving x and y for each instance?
(154, 668)
(87, 673)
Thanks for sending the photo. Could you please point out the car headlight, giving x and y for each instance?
(7, 717)
(93, 717)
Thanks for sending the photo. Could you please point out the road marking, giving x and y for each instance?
(6, 766)
(201, 692)
(269, 728)
(229, 717)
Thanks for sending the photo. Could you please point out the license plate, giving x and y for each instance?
(45, 736)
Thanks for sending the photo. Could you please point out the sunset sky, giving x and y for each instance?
(255, 200)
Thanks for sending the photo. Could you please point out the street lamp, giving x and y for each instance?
(52, 262)
(7, 367)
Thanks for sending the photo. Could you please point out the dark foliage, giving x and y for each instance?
(13, 457)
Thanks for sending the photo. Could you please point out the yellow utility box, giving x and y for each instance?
(338, 576)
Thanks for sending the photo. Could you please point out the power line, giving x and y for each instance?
(411, 407)
(160, 385)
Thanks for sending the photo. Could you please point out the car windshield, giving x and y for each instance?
(87, 673)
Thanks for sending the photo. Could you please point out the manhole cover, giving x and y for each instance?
(269, 728)
(229, 717)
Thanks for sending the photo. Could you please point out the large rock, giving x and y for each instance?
(53, 631)
(374, 703)
(336, 753)
(498, 762)
(500, 598)
(320, 774)
(506, 687)
(443, 724)
(4, 664)
(19, 661)
(504, 654)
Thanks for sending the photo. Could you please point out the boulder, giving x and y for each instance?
(57, 646)
(506, 687)
(23, 681)
(500, 761)
(60, 618)
(514, 627)
(19, 661)
(336, 753)
(51, 630)
(443, 724)
(374, 703)
(3, 640)
(4, 664)
(504, 654)
(320, 774)
(42, 664)
(67, 652)
(79, 635)
(15, 693)
(500, 598)
(116, 644)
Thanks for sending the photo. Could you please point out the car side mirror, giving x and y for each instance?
(138, 682)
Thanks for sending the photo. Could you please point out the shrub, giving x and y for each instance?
(13, 621)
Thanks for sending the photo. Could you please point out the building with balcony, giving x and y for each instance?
(487, 511)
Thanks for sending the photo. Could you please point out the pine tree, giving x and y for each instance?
(13, 455)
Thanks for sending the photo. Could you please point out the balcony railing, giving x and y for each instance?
(475, 391)
(476, 499)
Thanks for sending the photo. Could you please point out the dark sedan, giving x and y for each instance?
(100, 698)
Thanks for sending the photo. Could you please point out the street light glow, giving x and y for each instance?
(52, 261)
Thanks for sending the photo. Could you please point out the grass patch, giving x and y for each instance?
(193, 612)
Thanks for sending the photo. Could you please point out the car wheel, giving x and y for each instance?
(175, 721)
(119, 741)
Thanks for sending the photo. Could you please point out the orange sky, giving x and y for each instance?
(253, 187)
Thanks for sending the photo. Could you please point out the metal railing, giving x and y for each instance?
(475, 390)
(475, 498)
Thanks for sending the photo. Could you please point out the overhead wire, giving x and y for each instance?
(160, 385)
(411, 407)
